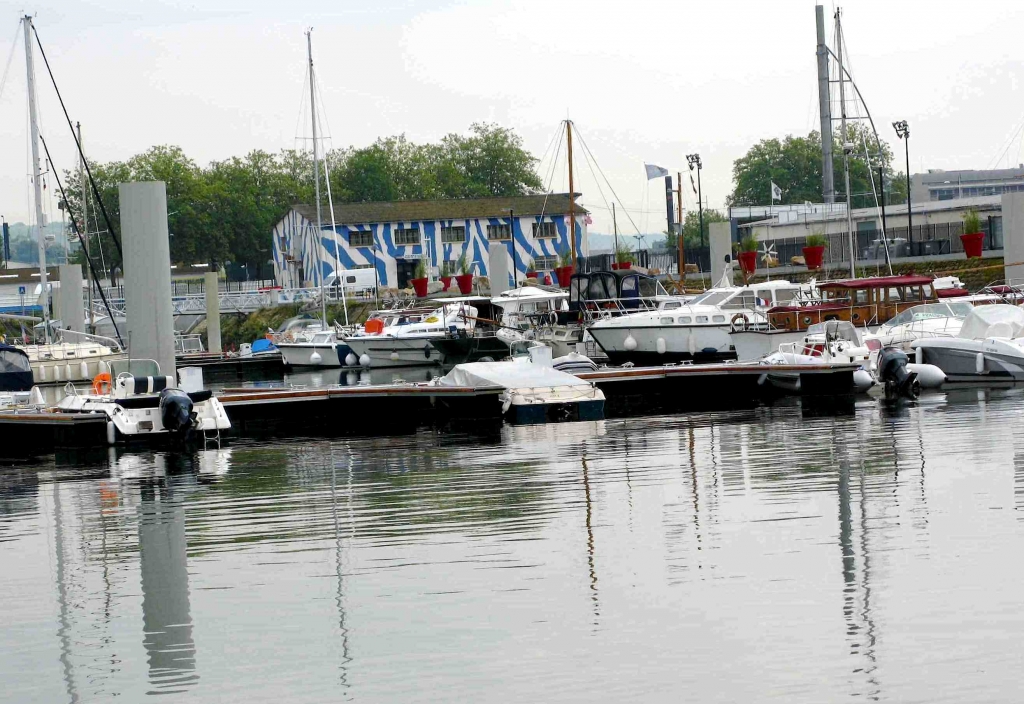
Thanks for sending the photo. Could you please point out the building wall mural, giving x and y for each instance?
(301, 258)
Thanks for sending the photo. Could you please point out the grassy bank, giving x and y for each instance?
(236, 329)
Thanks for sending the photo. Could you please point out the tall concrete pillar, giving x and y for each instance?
(71, 309)
(212, 288)
(498, 270)
(720, 241)
(147, 272)
(1013, 237)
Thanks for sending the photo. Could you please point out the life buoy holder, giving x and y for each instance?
(739, 322)
(101, 383)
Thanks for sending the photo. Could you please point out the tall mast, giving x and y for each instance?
(91, 328)
(846, 151)
(828, 188)
(615, 229)
(572, 197)
(37, 186)
(316, 177)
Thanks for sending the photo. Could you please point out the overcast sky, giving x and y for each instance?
(643, 81)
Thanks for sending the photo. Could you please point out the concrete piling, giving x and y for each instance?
(212, 288)
(147, 272)
(71, 308)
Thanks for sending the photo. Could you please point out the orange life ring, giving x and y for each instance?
(101, 383)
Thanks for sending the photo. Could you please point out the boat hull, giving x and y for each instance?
(384, 351)
(458, 350)
(534, 413)
(751, 345)
(299, 354)
(698, 343)
(958, 359)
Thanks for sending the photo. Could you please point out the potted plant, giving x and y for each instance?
(531, 269)
(747, 255)
(446, 274)
(419, 281)
(565, 269)
(814, 250)
(623, 258)
(465, 276)
(973, 238)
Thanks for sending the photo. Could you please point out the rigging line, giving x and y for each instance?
(551, 173)
(81, 154)
(92, 269)
(1009, 143)
(302, 105)
(597, 182)
(10, 58)
(610, 186)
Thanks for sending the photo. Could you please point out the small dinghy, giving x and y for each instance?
(142, 405)
(535, 392)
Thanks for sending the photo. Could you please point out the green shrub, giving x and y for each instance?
(972, 223)
(816, 240)
(748, 244)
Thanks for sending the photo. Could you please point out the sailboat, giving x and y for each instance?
(64, 355)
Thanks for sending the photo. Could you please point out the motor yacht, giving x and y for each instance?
(927, 320)
(403, 338)
(698, 329)
(989, 346)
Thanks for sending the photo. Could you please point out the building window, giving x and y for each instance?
(543, 230)
(545, 263)
(453, 234)
(499, 232)
(360, 238)
(407, 235)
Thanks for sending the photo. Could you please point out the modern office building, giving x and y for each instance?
(938, 184)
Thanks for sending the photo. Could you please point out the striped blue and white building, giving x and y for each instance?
(394, 236)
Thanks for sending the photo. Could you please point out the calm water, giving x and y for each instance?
(769, 555)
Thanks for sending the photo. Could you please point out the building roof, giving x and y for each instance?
(879, 282)
(938, 177)
(450, 209)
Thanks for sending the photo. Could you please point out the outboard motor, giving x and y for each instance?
(176, 410)
(893, 372)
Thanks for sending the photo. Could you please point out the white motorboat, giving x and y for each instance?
(942, 319)
(404, 337)
(535, 392)
(141, 404)
(696, 330)
(319, 348)
(989, 346)
(72, 356)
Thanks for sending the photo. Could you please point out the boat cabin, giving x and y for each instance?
(869, 301)
(15, 369)
(620, 289)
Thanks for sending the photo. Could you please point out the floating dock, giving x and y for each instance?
(401, 408)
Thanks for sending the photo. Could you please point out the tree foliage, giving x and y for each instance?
(226, 210)
(794, 164)
(691, 228)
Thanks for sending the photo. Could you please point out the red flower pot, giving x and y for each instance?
(972, 244)
(465, 282)
(531, 274)
(813, 256)
(564, 274)
(447, 281)
(748, 261)
(420, 287)
(622, 265)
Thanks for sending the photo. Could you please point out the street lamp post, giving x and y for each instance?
(903, 132)
(694, 160)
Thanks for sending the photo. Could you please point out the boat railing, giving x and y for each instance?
(74, 336)
(593, 309)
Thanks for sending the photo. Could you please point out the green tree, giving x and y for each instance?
(691, 228)
(794, 165)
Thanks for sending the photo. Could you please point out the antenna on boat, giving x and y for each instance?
(316, 178)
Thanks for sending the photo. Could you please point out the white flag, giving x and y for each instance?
(776, 192)
(655, 171)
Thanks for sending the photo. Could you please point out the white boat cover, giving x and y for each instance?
(513, 374)
(994, 320)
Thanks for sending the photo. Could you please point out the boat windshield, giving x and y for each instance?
(711, 298)
(931, 311)
(14, 361)
(322, 337)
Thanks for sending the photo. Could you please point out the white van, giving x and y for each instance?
(354, 279)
